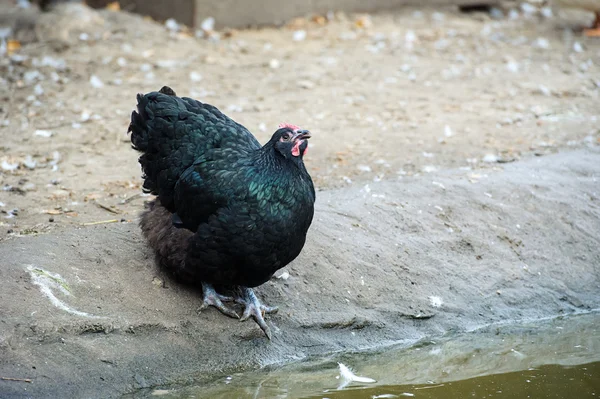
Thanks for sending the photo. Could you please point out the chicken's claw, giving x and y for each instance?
(253, 308)
(213, 298)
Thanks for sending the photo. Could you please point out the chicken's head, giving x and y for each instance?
(291, 141)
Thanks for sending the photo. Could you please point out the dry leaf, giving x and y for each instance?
(114, 6)
(363, 22)
(297, 23)
(319, 19)
(12, 46)
(90, 197)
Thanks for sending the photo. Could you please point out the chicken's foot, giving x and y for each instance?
(213, 298)
(253, 308)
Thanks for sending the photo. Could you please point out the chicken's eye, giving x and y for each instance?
(286, 137)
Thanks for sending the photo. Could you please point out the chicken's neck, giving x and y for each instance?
(270, 159)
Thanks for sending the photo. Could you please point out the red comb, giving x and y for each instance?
(288, 125)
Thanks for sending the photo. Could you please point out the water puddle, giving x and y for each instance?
(544, 382)
(558, 358)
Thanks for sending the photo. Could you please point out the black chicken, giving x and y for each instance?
(229, 212)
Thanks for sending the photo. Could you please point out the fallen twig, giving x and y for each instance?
(128, 200)
(107, 208)
(100, 222)
(16, 379)
(53, 212)
(55, 126)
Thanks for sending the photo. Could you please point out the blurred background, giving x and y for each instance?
(390, 89)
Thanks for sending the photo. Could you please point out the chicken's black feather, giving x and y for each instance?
(247, 208)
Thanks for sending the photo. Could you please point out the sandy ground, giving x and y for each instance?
(424, 225)
(86, 313)
(387, 97)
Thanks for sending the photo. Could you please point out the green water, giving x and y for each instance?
(542, 360)
(547, 382)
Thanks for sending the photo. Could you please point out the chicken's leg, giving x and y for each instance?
(253, 307)
(213, 298)
(594, 31)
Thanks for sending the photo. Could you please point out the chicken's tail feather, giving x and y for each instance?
(138, 127)
(168, 136)
(141, 141)
(172, 133)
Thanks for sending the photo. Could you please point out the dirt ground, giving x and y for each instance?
(386, 96)
(424, 226)
(86, 313)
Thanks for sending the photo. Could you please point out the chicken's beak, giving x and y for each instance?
(301, 135)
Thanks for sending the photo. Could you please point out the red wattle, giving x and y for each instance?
(296, 148)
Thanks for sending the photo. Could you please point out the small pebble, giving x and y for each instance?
(496, 13)
(195, 76)
(172, 25)
(541, 43)
(32, 76)
(96, 82)
(438, 16)
(528, 9)
(284, 276)
(546, 12)
(38, 90)
(306, 84)
(208, 25)
(512, 66)
(43, 133)
(29, 162)
(9, 166)
(490, 158)
(274, 64)
(299, 35)
(448, 131)
(544, 90)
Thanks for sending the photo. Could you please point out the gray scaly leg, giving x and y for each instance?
(253, 308)
(213, 298)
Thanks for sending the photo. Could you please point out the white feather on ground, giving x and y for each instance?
(347, 377)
